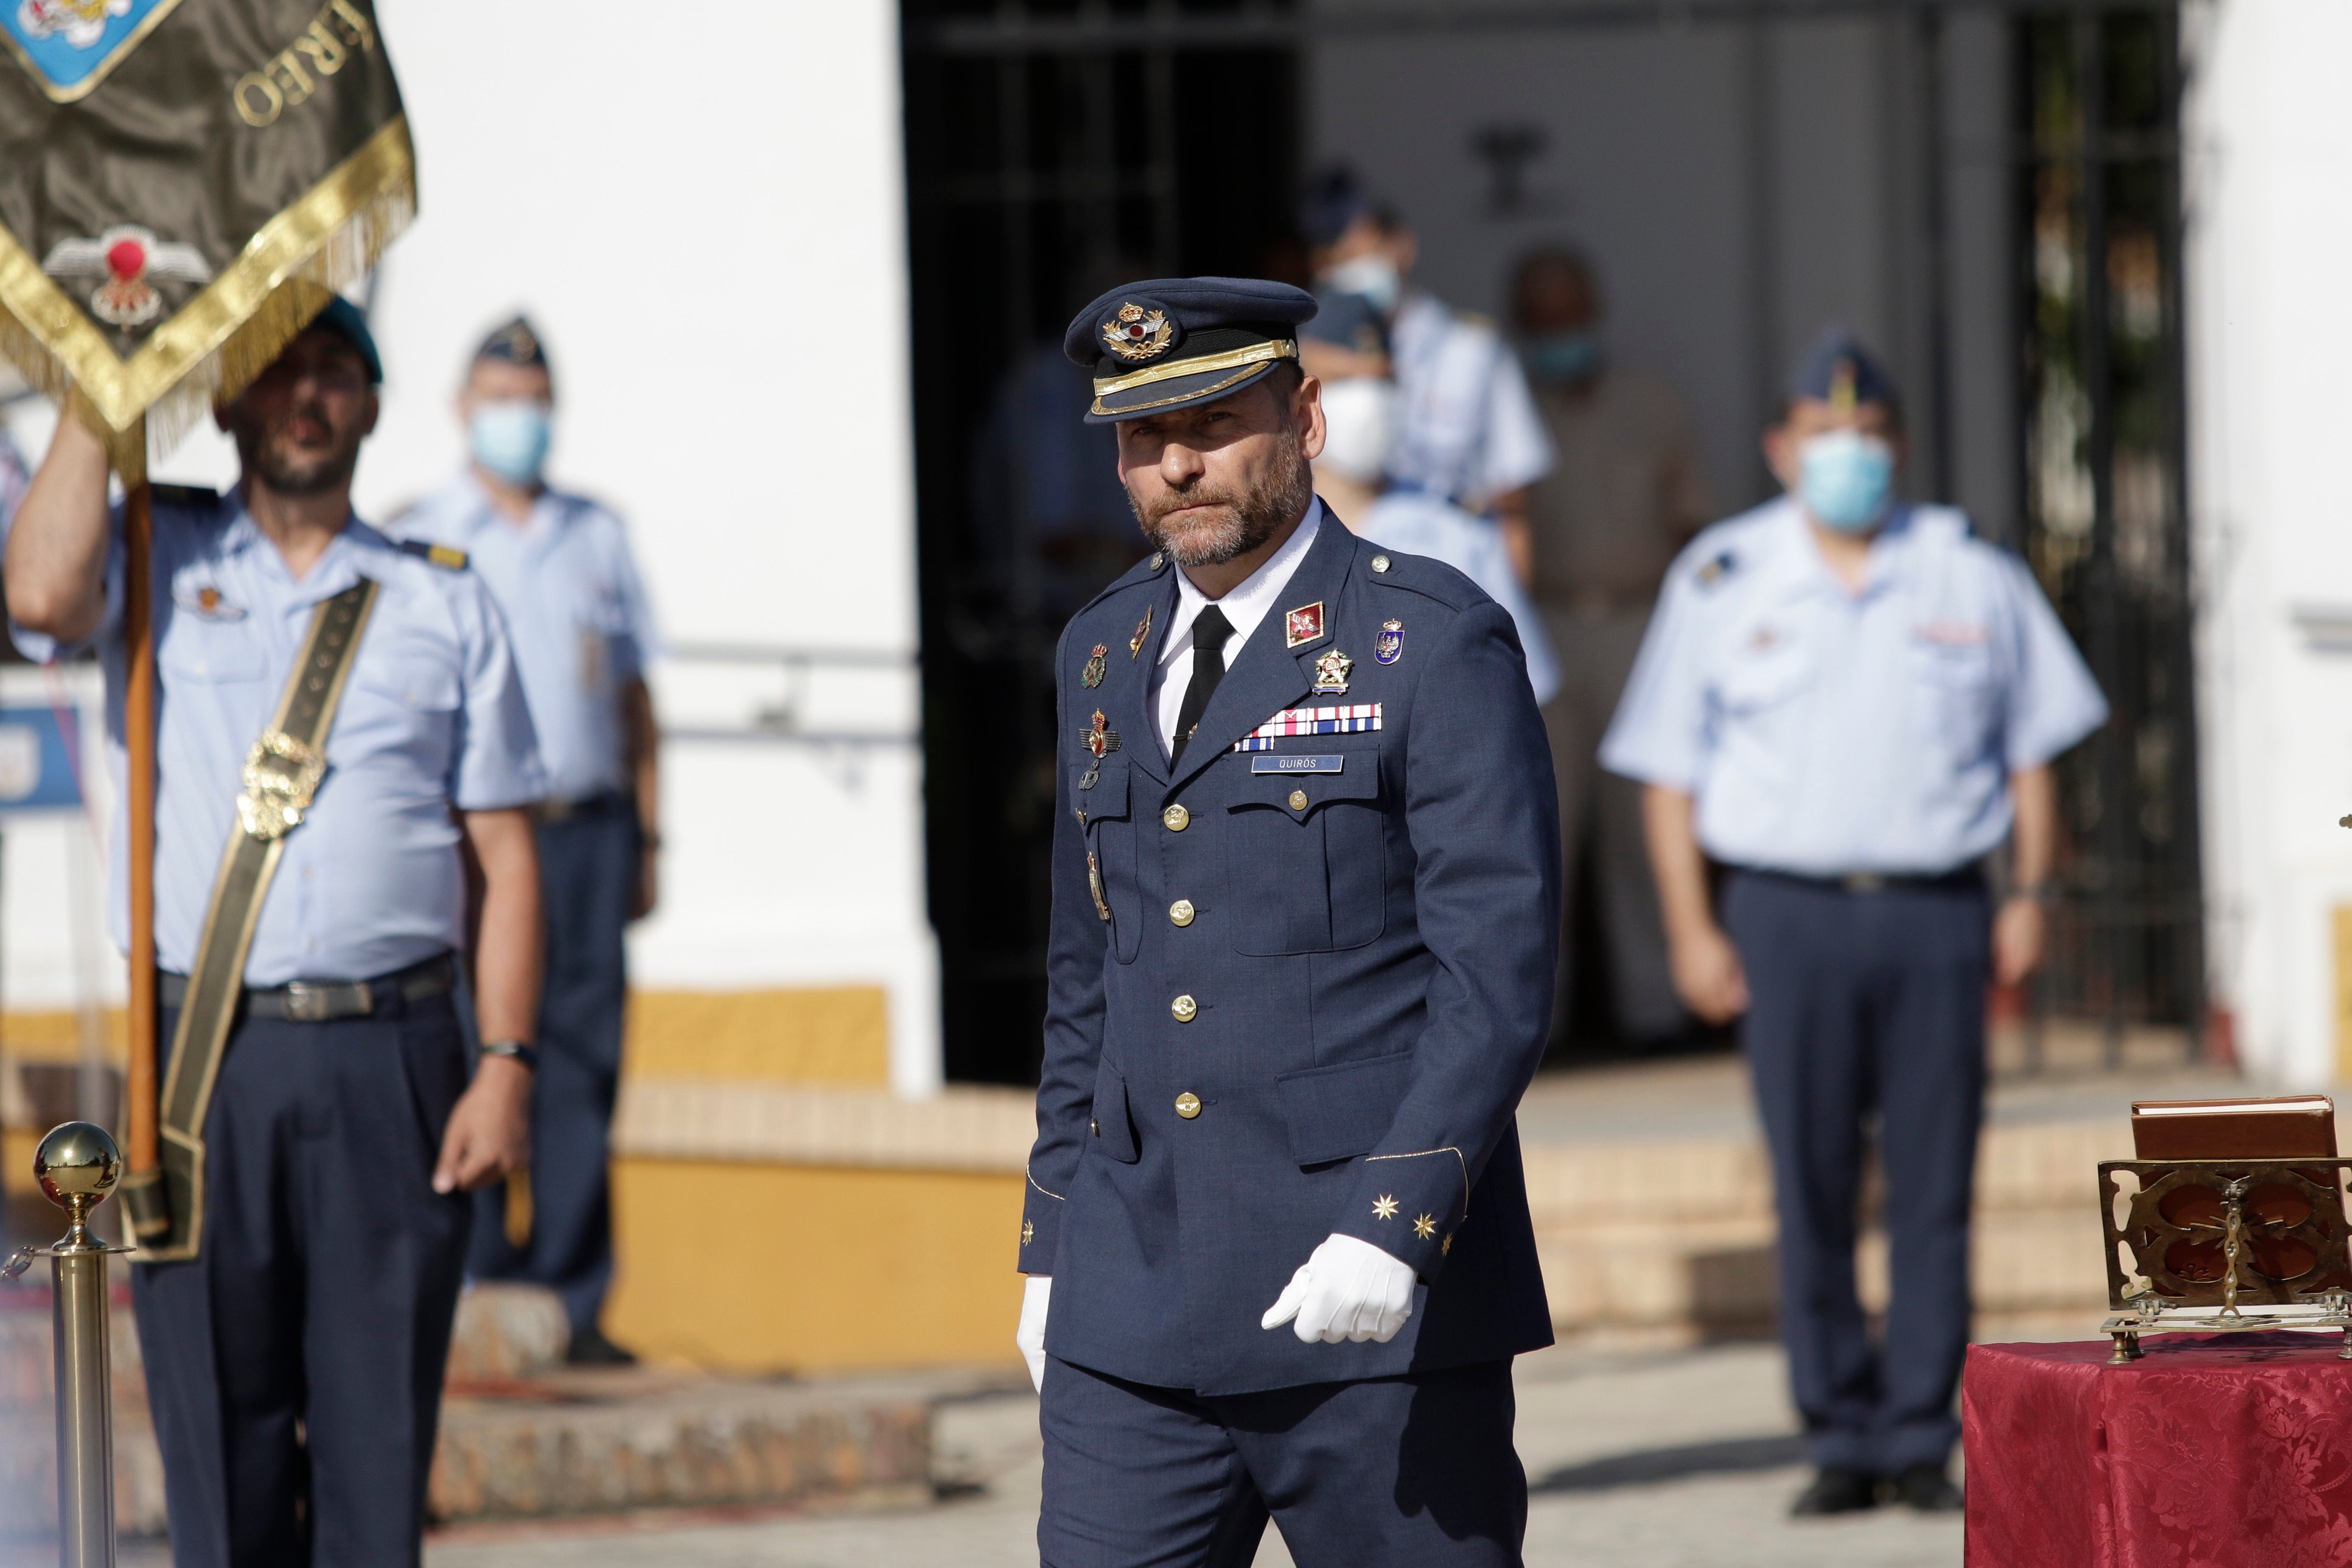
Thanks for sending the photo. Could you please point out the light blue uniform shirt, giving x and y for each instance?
(582, 627)
(1414, 523)
(432, 716)
(1827, 734)
(1467, 427)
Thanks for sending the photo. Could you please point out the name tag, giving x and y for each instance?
(1269, 763)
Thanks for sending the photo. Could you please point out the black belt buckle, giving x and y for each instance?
(307, 1003)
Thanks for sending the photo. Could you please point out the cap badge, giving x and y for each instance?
(1136, 334)
(1332, 673)
(1303, 624)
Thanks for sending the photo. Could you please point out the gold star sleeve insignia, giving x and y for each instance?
(1028, 1232)
(1424, 1228)
(1384, 1207)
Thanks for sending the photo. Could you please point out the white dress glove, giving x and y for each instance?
(1347, 1290)
(1031, 1336)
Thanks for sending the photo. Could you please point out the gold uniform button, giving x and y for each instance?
(1185, 1008)
(1177, 818)
(1188, 1104)
(1181, 912)
(1298, 799)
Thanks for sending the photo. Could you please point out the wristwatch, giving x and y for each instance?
(515, 1050)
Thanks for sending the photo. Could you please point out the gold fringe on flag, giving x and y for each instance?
(214, 346)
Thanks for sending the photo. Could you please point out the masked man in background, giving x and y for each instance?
(558, 566)
(1850, 702)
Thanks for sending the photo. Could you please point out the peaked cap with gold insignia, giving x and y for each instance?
(1172, 342)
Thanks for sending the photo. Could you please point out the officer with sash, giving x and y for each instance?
(1306, 897)
(560, 566)
(1851, 702)
(341, 721)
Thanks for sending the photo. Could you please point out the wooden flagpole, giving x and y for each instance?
(139, 727)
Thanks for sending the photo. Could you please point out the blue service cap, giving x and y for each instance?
(348, 322)
(517, 342)
(1349, 321)
(1838, 366)
(1333, 200)
(1169, 342)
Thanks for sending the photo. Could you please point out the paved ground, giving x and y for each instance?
(1666, 1460)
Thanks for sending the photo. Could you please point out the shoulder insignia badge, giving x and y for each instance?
(439, 555)
(1092, 675)
(1332, 673)
(1303, 624)
(1135, 334)
(1390, 646)
(1715, 570)
(1142, 630)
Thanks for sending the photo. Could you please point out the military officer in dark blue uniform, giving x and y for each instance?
(1305, 887)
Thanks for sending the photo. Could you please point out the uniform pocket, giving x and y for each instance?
(1113, 1129)
(1337, 1112)
(1306, 861)
(1104, 818)
(1957, 682)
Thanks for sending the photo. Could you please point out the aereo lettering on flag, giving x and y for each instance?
(1348, 719)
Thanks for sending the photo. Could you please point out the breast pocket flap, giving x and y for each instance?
(1113, 1131)
(1302, 794)
(1338, 1112)
(413, 680)
(1107, 797)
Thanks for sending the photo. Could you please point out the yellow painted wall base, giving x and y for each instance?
(755, 1267)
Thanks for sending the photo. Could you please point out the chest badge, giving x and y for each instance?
(208, 603)
(1303, 624)
(1142, 630)
(1390, 646)
(1092, 675)
(1332, 673)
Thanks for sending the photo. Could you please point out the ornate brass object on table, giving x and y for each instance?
(78, 1166)
(2224, 1246)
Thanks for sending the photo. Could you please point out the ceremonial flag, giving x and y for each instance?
(182, 184)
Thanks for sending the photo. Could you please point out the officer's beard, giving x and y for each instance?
(272, 457)
(1218, 524)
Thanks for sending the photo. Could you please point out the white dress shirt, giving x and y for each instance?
(1244, 607)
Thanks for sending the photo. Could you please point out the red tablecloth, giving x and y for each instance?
(2210, 1451)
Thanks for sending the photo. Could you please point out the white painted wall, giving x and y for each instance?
(716, 257)
(2270, 164)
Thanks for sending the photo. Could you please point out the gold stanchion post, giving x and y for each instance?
(78, 1164)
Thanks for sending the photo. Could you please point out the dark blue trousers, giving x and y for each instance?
(588, 876)
(1415, 1471)
(294, 1367)
(1865, 1002)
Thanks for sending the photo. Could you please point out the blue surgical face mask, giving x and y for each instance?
(510, 439)
(1846, 479)
(1563, 359)
(1371, 275)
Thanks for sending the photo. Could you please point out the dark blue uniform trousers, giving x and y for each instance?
(588, 876)
(1863, 1001)
(1391, 1472)
(294, 1367)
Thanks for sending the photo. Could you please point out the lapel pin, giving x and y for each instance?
(1303, 624)
(1332, 673)
(1092, 675)
(1142, 630)
(1390, 646)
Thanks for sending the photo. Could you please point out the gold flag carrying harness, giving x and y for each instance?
(281, 776)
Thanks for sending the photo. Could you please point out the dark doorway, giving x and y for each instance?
(1043, 166)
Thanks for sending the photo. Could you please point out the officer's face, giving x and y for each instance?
(1214, 482)
(299, 426)
(1809, 417)
(1554, 297)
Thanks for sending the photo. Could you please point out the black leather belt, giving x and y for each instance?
(1961, 879)
(322, 1001)
(598, 805)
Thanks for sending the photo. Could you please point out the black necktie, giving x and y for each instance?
(1210, 631)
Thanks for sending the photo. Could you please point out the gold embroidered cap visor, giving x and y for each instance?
(169, 223)
(1193, 380)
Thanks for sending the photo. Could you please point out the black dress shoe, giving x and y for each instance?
(1928, 1489)
(1835, 1491)
(589, 1347)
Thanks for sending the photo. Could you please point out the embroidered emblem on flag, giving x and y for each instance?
(1348, 719)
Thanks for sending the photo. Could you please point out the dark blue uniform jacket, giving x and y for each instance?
(1369, 962)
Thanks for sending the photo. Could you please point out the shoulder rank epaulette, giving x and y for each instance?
(439, 555)
(1717, 570)
(195, 498)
